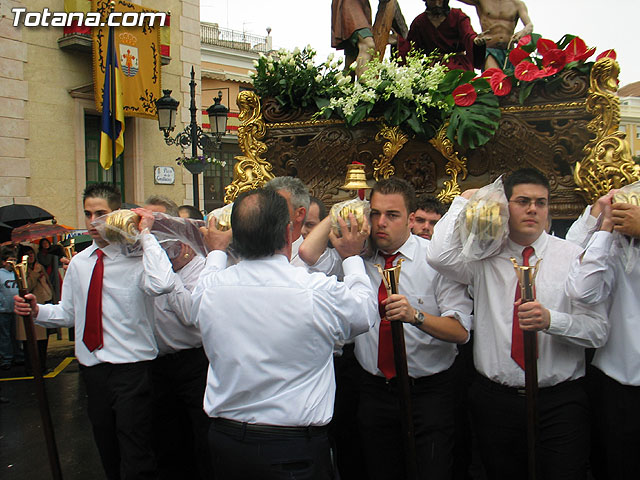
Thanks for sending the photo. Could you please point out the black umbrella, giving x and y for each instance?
(5, 232)
(17, 214)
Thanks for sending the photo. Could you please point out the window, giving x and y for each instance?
(95, 172)
(216, 178)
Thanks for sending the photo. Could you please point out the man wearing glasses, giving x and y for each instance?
(564, 328)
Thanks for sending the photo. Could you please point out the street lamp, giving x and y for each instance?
(192, 134)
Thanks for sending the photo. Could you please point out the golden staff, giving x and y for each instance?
(526, 277)
(20, 271)
(391, 278)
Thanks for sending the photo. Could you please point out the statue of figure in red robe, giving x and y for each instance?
(447, 30)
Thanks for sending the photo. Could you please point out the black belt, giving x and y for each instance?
(181, 354)
(225, 425)
(376, 379)
(498, 387)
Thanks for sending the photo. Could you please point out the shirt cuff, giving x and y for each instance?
(353, 266)
(601, 240)
(558, 323)
(217, 259)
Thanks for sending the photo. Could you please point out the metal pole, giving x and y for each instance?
(194, 137)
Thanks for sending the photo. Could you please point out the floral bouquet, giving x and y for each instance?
(200, 159)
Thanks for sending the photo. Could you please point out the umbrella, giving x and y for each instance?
(17, 214)
(5, 232)
(34, 231)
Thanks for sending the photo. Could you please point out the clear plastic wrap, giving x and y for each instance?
(222, 216)
(121, 227)
(360, 208)
(484, 223)
(630, 246)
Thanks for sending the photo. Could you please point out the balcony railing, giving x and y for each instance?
(211, 34)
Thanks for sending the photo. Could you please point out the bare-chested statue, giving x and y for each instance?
(499, 18)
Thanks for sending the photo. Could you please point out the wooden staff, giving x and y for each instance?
(526, 276)
(390, 277)
(382, 25)
(20, 271)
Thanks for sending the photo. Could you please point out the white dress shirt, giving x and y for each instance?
(574, 324)
(268, 329)
(172, 328)
(427, 291)
(129, 283)
(296, 261)
(601, 277)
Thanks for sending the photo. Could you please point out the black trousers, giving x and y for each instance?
(432, 400)
(343, 429)
(615, 452)
(500, 422)
(119, 407)
(180, 425)
(241, 453)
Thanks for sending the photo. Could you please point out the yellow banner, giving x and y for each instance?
(138, 51)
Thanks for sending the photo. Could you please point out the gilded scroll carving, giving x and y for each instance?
(456, 166)
(382, 167)
(608, 162)
(252, 170)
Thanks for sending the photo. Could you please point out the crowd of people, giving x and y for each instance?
(271, 357)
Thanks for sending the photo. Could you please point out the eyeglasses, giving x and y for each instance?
(524, 202)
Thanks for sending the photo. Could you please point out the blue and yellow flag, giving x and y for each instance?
(111, 107)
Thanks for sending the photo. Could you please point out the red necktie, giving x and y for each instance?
(517, 339)
(386, 363)
(92, 337)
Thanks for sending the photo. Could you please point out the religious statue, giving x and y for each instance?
(500, 17)
(449, 31)
(352, 29)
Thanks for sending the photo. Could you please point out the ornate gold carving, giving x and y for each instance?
(251, 171)
(455, 165)
(549, 106)
(608, 162)
(382, 167)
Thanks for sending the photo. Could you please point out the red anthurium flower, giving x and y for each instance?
(545, 45)
(577, 50)
(500, 84)
(611, 53)
(464, 95)
(517, 55)
(553, 61)
(489, 72)
(526, 40)
(527, 71)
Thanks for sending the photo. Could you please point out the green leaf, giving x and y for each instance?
(396, 113)
(525, 91)
(360, 113)
(564, 41)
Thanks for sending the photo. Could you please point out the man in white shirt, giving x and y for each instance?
(601, 276)
(116, 351)
(180, 425)
(438, 315)
(297, 196)
(269, 330)
(564, 328)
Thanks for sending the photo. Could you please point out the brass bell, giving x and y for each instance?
(356, 178)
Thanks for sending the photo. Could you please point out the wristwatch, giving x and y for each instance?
(418, 319)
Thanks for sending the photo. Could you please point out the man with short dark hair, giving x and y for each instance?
(108, 297)
(317, 211)
(269, 330)
(428, 212)
(437, 313)
(564, 328)
(189, 211)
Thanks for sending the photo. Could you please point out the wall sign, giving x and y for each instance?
(164, 175)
